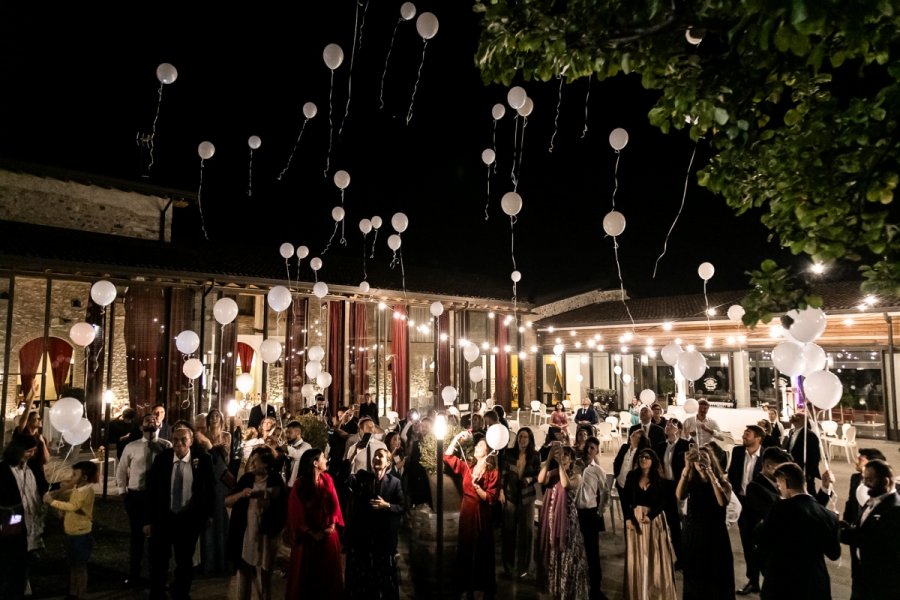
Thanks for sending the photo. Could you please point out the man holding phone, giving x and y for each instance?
(361, 447)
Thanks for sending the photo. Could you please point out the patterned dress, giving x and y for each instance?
(561, 561)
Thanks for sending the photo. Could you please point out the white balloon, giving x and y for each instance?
(393, 242)
(333, 56)
(525, 109)
(323, 379)
(337, 213)
(427, 25)
(316, 353)
(315, 264)
(626, 378)
(618, 138)
(365, 226)
(471, 353)
(691, 38)
(302, 252)
(823, 389)
(436, 308)
(166, 73)
(376, 222)
(313, 368)
(516, 276)
(614, 223)
(244, 383)
(407, 11)
(82, 334)
(254, 142)
(342, 179)
(691, 406)
(706, 271)
(308, 390)
(399, 222)
(735, 313)
(103, 292)
(279, 298)
(476, 374)
(616, 369)
(364, 287)
(78, 434)
(187, 342)
(808, 324)
(310, 110)
(692, 365)
(448, 394)
(453, 411)
(225, 310)
(488, 156)
(648, 397)
(516, 97)
(66, 413)
(788, 358)
(192, 368)
(320, 290)
(498, 111)
(670, 353)
(206, 150)
(286, 250)
(270, 351)
(497, 436)
(511, 203)
(816, 360)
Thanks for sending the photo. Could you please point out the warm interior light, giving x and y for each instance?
(232, 407)
(817, 268)
(439, 427)
(108, 397)
(667, 326)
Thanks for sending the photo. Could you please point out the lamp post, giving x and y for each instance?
(232, 411)
(108, 397)
(439, 429)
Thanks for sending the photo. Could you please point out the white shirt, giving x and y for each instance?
(360, 457)
(701, 436)
(667, 459)
(187, 478)
(593, 492)
(295, 450)
(131, 472)
(750, 459)
(872, 504)
(627, 462)
(31, 504)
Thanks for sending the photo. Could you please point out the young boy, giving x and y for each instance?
(77, 523)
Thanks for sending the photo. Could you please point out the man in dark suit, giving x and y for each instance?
(873, 537)
(794, 539)
(586, 415)
(658, 419)
(746, 464)
(671, 455)
(260, 412)
(179, 502)
(803, 446)
(655, 433)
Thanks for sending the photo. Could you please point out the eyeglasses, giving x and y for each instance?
(646, 457)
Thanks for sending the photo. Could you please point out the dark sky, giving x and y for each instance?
(79, 84)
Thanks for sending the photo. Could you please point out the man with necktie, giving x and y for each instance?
(654, 433)
(671, 454)
(746, 464)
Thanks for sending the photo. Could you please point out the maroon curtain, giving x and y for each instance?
(29, 359)
(145, 339)
(60, 358)
(359, 352)
(399, 366)
(96, 315)
(501, 379)
(336, 354)
(444, 376)
(294, 355)
(245, 353)
(178, 387)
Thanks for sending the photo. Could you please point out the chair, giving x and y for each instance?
(542, 414)
(624, 421)
(535, 410)
(613, 500)
(604, 434)
(567, 405)
(614, 422)
(829, 432)
(847, 442)
(513, 425)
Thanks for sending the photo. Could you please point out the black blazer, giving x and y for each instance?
(586, 414)
(656, 436)
(11, 503)
(813, 455)
(876, 576)
(736, 468)
(159, 490)
(681, 447)
(256, 415)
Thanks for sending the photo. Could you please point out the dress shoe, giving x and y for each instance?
(749, 588)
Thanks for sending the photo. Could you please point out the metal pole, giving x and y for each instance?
(7, 348)
(439, 524)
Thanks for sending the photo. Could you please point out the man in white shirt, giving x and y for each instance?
(295, 448)
(700, 427)
(131, 478)
(746, 464)
(590, 501)
(362, 446)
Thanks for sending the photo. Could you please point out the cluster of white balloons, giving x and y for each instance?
(518, 100)
(103, 293)
(286, 250)
(690, 363)
(800, 355)
(314, 370)
(67, 416)
(399, 222)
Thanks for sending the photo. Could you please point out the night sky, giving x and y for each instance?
(79, 84)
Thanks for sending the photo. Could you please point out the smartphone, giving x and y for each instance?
(556, 443)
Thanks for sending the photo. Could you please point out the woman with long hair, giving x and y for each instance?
(314, 514)
(706, 557)
(475, 551)
(559, 418)
(561, 560)
(521, 466)
(218, 442)
(649, 571)
(394, 444)
(581, 435)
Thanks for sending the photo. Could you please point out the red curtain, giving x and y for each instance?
(29, 359)
(145, 339)
(178, 387)
(444, 376)
(501, 379)
(336, 354)
(359, 346)
(245, 354)
(60, 358)
(399, 366)
(294, 361)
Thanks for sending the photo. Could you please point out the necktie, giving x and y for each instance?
(178, 487)
(870, 506)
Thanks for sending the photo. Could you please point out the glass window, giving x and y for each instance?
(862, 402)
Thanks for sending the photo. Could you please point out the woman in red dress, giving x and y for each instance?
(314, 513)
(476, 531)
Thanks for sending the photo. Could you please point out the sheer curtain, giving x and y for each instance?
(145, 338)
(400, 366)
(359, 344)
(501, 379)
(336, 343)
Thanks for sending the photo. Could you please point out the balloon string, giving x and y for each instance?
(402, 273)
(343, 239)
(512, 174)
(616, 179)
(296, 144)
(278, 321)
(299, 260)
(342, 197)
(521, 153)
(330, 125)
(387, 59)
(199, 204)
(374, 239)
(96, 360)
(250, 176)
(356, 33)
(705, 298)
(687, 178)
(587, 98)
(488, 201)
(153, 130)
(365, 274)
(393, 260)
(815, 420)
(287, 267)
(558, 107)
(328, 245)
(494, 144)
(621, 281)
(362, 24)
(512, 239)
(412, 99)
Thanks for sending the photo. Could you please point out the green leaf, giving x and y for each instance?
(721, 116)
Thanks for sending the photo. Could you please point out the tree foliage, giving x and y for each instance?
(798, 100)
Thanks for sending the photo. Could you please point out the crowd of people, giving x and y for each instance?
(265, 503)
